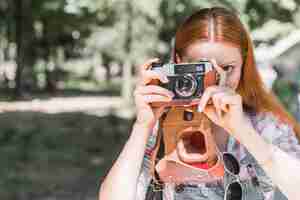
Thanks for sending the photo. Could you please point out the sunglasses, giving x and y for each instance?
(235, 189)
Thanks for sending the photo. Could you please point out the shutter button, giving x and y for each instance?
(179, 188)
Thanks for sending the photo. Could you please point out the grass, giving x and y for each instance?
(60, 156)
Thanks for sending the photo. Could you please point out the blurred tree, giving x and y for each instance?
(23, 38)
(107, 32)
(40, 28)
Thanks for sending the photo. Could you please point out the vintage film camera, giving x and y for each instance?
(187, 80)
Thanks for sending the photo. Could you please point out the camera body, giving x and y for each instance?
(187, 80)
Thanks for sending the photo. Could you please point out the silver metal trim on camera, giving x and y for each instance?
(191, 90)
(169, 68)
(186, 80)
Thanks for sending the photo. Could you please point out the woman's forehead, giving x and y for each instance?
(219, 51)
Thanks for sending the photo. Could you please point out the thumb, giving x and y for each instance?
(211, 113)
(159, 111)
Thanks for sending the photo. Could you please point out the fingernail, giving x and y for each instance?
(170, 98)
(219, 114)
(200, 109)
(166, 79)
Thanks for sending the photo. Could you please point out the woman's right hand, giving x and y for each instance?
(146, 94)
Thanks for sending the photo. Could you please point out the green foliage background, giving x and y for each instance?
(59, 42)
(75, 47)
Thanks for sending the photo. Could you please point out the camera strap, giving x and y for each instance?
(156, 186)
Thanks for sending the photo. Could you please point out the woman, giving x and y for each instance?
(249, 121)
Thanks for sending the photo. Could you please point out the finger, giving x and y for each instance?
(210, 112)
(144, 67)
(149, 75)
(217, 106)
(206, 96)
(155, 98)
(224, 106)
(221, 72)
(219, 96)
(148, 63)
(154, 89)
(232, 100)
(158, 112)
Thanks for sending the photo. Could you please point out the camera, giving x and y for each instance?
(187, 80)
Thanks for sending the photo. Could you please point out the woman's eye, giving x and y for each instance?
(228, 68)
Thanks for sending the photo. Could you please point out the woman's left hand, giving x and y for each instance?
(226, 110)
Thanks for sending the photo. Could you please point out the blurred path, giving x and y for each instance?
(98, 106)
(60, 148)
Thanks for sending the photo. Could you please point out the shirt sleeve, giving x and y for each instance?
(282, 136)
(279, 134)
(144, 174)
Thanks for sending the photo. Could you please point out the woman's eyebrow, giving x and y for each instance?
(227, 63)
(193, 60)
(190, 60)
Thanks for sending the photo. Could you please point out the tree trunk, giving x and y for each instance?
(127, 67)
(50, 64)
(24, 40)
(50, 76)
(106, 64)
(19, 42)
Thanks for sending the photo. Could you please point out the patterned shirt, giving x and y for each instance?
(267, 125)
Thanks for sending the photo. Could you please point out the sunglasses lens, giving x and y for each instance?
(234, 191)
(231, 163)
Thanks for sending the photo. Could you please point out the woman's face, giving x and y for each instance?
(227, 56)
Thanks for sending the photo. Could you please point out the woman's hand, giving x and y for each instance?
(226, 110)
(145, 94)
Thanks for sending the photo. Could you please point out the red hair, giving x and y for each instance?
(222, 25)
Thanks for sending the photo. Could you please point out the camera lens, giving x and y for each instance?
(185, 86)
